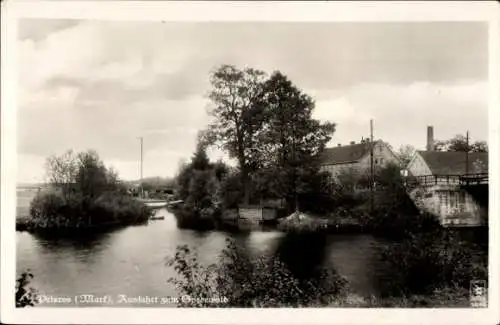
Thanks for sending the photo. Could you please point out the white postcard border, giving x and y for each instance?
(237, 11)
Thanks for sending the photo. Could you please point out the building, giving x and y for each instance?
(446, 163)
(355, 157)
(439, 184)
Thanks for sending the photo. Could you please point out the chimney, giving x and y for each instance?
(430, 138)
(339, 145)
(353, 142)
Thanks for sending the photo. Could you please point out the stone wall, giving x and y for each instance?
(451, 204)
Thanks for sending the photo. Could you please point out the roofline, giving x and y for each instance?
(417, 152)
(353, 161)
(392, 152)
(340, 163)
(374, 143)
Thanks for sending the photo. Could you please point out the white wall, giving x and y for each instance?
(382, 156)
(418, 167)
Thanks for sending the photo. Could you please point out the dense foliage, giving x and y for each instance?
(237, 116)
(427, 262)
(25, 294)
(460, 143)
(249, 281)
(266, 123)
(83, 193)
(199, 186)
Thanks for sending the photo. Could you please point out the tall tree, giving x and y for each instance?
(405, 154)
(199, 162)
(62, 171)
(237, 117)
(291, 139)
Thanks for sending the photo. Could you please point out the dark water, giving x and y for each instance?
(131, 261)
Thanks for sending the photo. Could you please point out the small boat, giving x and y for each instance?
(157, 218)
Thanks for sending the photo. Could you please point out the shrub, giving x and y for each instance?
(250, 281)
(51, 210)
(46, 210)
(83, 193)
(115, 208)
(25, 295)
(426, 262)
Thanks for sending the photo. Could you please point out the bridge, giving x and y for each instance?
(460, 180)
(457, 200)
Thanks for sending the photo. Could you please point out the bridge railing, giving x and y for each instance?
(433, 180)
(474, 179)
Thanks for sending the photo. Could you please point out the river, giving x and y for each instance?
(131, 261)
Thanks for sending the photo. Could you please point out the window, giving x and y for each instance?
(376, 161)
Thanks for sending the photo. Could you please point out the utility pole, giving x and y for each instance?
(142, 194)
(294, 170)
(372, 178)
(467, 153)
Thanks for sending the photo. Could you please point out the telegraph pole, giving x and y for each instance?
(371, 168)
(141, 140)
(294, 171)
(467, 153)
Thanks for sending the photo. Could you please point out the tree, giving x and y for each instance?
(405, 154)
(479, 146)
(199, 162)
(83, 193)
(81, 173)
(200, 159)
(61, 172)
(459, 143)
(291, 139)
(237, 116)
(92, 176)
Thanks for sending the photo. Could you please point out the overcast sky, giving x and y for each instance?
(100, 85)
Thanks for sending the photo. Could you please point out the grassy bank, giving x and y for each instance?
(52, 212)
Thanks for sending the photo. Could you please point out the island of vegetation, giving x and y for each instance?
(82, 194)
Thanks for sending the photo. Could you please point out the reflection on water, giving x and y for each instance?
(131, 261)
(303, 253)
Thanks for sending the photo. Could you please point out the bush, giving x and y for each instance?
(112, 208)
(50, 210)
(250, 281)
(83, 193)
(25, 295)
(426, 262)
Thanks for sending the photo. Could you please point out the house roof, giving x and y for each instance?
(344, 154)
(453, 163)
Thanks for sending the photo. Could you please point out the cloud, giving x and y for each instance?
(38, 29)
(100, 85)
(402, 112)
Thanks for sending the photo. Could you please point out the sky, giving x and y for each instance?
(100, 85)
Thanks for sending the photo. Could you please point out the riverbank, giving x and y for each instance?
(25, 225)
(115, 262)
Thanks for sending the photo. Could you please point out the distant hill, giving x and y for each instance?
(152, 181)
(31, 185)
